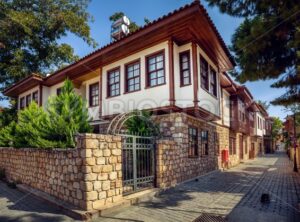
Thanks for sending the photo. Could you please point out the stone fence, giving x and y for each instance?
(89, 176)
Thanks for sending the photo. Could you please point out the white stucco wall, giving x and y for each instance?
(145, 98)
(259, 131)
(84, 90)
(208, 101)
(184, 95)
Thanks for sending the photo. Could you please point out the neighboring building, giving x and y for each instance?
(175, 67)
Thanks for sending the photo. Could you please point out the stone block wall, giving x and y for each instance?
(173, 163)
(89, 176)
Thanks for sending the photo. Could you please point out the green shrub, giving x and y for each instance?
(140, 123)
(7, 133)
(66, 116)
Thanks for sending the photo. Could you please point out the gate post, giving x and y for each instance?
(134, 163)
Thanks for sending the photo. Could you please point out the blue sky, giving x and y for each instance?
(137, 10)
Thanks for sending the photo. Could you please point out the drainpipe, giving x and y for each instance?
(295, 145)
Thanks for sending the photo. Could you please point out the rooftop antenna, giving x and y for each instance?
(120, 28)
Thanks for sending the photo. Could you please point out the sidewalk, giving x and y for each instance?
(233, 195)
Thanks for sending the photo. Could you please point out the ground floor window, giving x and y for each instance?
(204, 143)
(232, 146)
(193, 142)
(217, 143)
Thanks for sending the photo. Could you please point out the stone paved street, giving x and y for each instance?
(233, 195)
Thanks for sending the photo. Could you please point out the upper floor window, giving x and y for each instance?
(213, 82)
(28, 100)
(204, 143)
(155, 65)
(58, 91)
(193, 142)
(113, 82)
(185, 70)
(133, 77)
(204, 73)
(94, 94)
(35, 96)
(22, 103)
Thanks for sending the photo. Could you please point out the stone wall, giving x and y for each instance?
(173, 162)
(88, 176)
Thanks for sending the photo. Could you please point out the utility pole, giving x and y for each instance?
(295, 145)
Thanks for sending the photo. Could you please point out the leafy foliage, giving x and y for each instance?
(29, 36)
(267, 43)
(67, 115)
(276, 127)
(140, 123)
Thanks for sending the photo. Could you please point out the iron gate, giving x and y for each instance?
(138, 162)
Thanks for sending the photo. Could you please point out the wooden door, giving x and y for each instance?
(241, 147)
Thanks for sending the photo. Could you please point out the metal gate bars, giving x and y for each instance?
(137, 163)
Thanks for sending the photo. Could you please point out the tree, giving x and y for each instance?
(133, 26)
(29, 36)
(68, 115)
(264, 104)
(65, 117)
(276, 127)
(32, 129)
(273, 27)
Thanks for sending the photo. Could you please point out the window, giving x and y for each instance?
(213, 82)
(217, 144)
(28, 100)
(204, 143)
(232, 146)
(35, 97)
(193, 142)
(58, 91)
(22, 103)
(133, 79)
(204, 73)
(113, 82)
(94, 94)
(185, 72)
(155, 70)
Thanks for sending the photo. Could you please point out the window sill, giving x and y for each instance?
(108, 97)
(149, 87)
(185, 85)
(131, 92)
(216, 97)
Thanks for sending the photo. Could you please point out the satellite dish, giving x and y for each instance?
(120, 28)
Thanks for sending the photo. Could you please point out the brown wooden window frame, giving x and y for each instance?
(115, 83)
(28, 100)
(213, 85)
(204, 73)
(35, 97)
(135, 78)
(217, 143)
(156, 70)
(22, 103)
(58, 91)
(232, 146)
(204, 149)
(193, 142)
(187, 69)
(94, 94)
